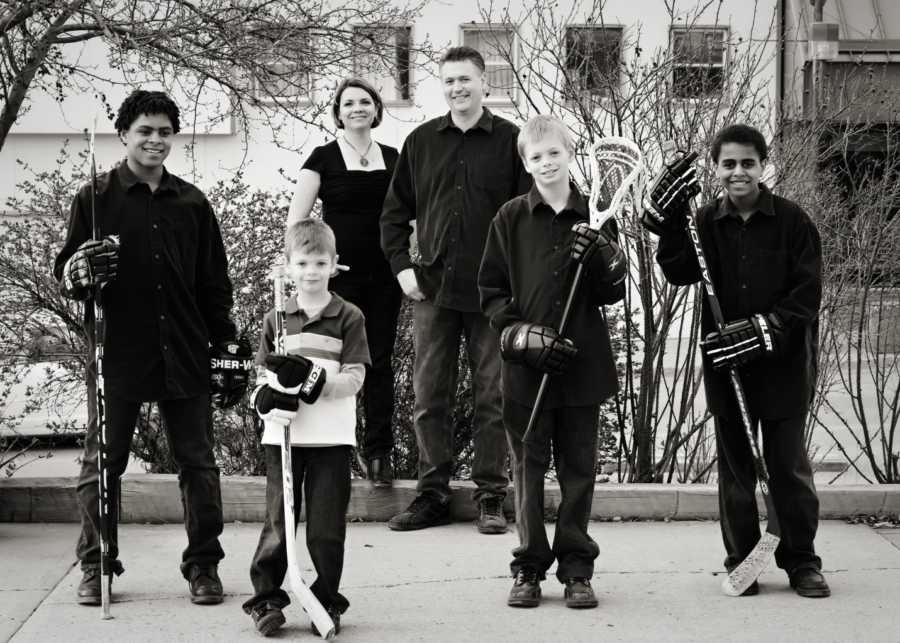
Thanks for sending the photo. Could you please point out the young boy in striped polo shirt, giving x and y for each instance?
(322, 329)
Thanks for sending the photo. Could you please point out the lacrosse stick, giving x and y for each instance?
(742, 576)
(616, 170)
(307, 599)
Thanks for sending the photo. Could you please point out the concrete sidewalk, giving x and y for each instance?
(656, 582)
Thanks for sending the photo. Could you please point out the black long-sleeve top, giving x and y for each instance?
(452, 183)
(172, 295)
(770, 263)
(525, 275)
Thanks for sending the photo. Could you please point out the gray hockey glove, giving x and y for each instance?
(295, 375)
(95, 263)
(273, 406)
(230, 363)
(667, 204)
(537, 346)
(599, 255)
(744, 341)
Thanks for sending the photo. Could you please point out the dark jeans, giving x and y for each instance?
(571, 433)
(324, 475)
(189, 430)
(437, 334)
(790, 483)
(379, 299)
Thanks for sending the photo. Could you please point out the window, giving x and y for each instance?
(496, 45)
(283, 73)
(698, 61)
(593, 55)
(381, 56)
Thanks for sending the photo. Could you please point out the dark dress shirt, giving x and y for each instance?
(770, 263)
(172, 295)
(452, 183)
(526, 274)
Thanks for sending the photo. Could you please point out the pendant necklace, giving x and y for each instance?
(362, 155)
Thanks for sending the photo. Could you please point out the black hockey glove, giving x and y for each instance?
(537, 346)
(273, 406)
(295, 375)
(599, 255)
(667, 205)
(230, 363)
(95, 263)
(743, 341)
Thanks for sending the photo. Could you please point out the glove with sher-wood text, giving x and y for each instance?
(230, 363)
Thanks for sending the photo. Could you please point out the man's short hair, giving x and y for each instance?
(539, 127)
(461, 54)
(359, 83)
(141, 101)
(739, 133)
(310, 235)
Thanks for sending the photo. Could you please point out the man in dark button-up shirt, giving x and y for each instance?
(453, 173)
(169, 298)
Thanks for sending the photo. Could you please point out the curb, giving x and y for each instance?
(155, 498)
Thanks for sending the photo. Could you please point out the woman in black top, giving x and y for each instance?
(351, 175)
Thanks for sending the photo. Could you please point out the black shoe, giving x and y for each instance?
(335, 618)
(580, 594)
(526, 589)
(89, 588)
(490, 516)
(810, 583)
(206, 588)
(425, 511)
(267, 618)
(380, 472)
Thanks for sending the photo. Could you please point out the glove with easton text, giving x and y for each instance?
(600, 255)
(295, 375)
(743, 341)
(667, 205)
(230, 363)
(274, 406)
(95, 263)
(537, 346)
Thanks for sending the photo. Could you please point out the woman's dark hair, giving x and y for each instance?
(359, 83)
(145, 102)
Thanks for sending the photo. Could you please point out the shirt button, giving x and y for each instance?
(743, 285)
(459, 187)
(449, 268)
(556, 303)
(556, 273)
(165, 347)
(159, 286)
(162, 317)
(155, 226)
(156, 255)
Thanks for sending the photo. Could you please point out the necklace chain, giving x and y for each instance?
(362, 155)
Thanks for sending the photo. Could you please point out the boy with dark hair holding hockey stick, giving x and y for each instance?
(534, 244)
(166, 296)
(764, 256)
(312, 389)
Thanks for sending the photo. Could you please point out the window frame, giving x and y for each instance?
(393, 100)
(597, 93)
(724, 65)
(306, 98)
(473, 27)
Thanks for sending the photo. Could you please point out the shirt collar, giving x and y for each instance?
(486, 122)
(129, 179)
(332, 309)
(765, 204)
(576, 201)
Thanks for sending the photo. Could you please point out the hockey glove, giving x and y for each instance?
(273, 406)
(95, 263)
(743, 341)
(599, 255)
(230, 363)
(537, 346)
(668, 203)
(295, 375)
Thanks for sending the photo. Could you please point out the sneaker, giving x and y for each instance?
(89, 588)
(579, 593)
(490, 516)
(267, 618)
(206, 588)
(335, 618)
(425, 511)
(526, 589)
(809, 583)
(380, 472)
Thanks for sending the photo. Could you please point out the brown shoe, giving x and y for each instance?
(580, 594)
(89, 588)
(206, 588)
(526, 589)
(490, 516)
(809, 583)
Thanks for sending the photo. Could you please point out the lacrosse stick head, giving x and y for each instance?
(617, 168)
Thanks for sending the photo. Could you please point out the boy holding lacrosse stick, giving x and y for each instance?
(308, 379)
(535, 244)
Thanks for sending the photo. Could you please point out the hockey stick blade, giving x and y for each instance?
(742, 576)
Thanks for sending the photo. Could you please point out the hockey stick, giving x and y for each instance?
(102, 453)
(742, 576)
(307, 599)
(616, 167)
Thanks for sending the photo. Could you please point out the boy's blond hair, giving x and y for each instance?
(538, 127)
(309, 235)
